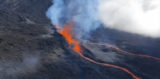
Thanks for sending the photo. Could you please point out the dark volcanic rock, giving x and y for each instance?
(128, 41)
(26, 9)
(30, 48)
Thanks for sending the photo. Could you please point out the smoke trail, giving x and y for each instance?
(83, 13)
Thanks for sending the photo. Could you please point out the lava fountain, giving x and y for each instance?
(66, 32)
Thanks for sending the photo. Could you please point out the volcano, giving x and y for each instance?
(32, 48)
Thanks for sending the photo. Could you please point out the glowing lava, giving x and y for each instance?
(130, 53)
(75, 44)
(67, 34)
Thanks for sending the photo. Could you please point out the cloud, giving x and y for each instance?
(134, 16)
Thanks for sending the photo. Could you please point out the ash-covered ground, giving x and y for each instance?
(31, 48)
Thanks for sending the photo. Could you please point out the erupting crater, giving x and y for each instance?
(66, 32)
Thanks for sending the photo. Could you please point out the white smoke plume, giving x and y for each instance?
(134, 16)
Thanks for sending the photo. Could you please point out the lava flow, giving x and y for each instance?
(130, 53)
(75, 45)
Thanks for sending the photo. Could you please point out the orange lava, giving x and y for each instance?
(67, 34)
(111, 65)
(130, 53)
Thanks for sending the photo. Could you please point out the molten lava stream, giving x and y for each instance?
(130, 53)
(67, 34)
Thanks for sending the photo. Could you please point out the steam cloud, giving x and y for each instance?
(134, 16)
(82, 12)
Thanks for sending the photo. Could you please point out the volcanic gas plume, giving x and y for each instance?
(76, 19)
(133, 16)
